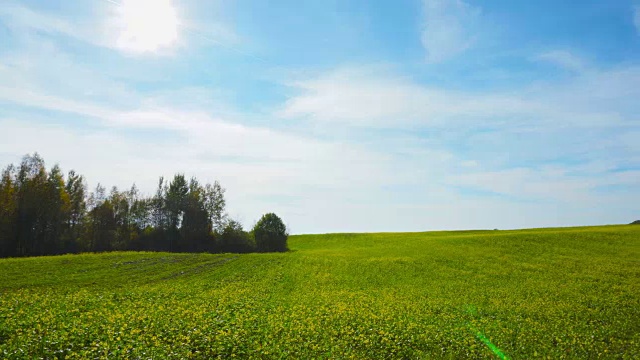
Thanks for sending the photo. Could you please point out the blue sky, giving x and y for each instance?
(339, 115)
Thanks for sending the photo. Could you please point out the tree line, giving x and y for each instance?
(45, 213)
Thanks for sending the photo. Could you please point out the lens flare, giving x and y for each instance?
(471, 310)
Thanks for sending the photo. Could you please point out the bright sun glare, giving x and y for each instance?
(146, 25)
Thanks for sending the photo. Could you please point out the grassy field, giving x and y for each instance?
(547, 293)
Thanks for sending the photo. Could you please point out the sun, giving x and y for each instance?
(146, 25)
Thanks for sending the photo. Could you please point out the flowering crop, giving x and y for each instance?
(548, 293)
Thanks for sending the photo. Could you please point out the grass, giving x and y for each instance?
(540, 293)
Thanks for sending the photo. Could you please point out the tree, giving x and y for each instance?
(122, 217)
(233, 239)
(8, 213)
(101, 227)
(141, 219)
(76, 189)
(214, 204)
(140, 209)
(158, 205)
(56, 207)
(195, 230)
(175, 202)
(270, 234)
(31, 183)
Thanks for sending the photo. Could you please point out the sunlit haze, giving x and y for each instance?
(146, 25)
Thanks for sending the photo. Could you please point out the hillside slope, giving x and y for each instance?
(568, 292)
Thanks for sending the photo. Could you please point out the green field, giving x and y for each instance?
(546, 293)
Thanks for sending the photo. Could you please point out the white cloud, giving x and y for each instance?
(563, 59)
(37, 73)
(27, 21)
(33, 99)
(376, 97)
(370, 96)
(21, 17)
(546, 183)
(449, 28)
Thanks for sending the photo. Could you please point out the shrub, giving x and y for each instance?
(234, 239)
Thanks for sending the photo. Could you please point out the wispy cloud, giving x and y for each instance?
(21, 17)
(449, 28)
(49, 102)
(547, 183)
(564, 59)
(376, 97)
(38, 72)
(28, 22)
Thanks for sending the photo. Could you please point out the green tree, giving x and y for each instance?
(8, 213)
(233, 239)
(101, 227)
(122, 217)
(155, 236)
(158, 204)
(76, 189)
(195, 230)
(140, 209)
(175, 202)
(140, 218)
(214, 203)
(31, 183)
(270, 234)
(55, 206)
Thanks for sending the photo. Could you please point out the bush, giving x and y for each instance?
(233, 239)
(270, 234)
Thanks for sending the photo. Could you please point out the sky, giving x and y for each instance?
(339, 116)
